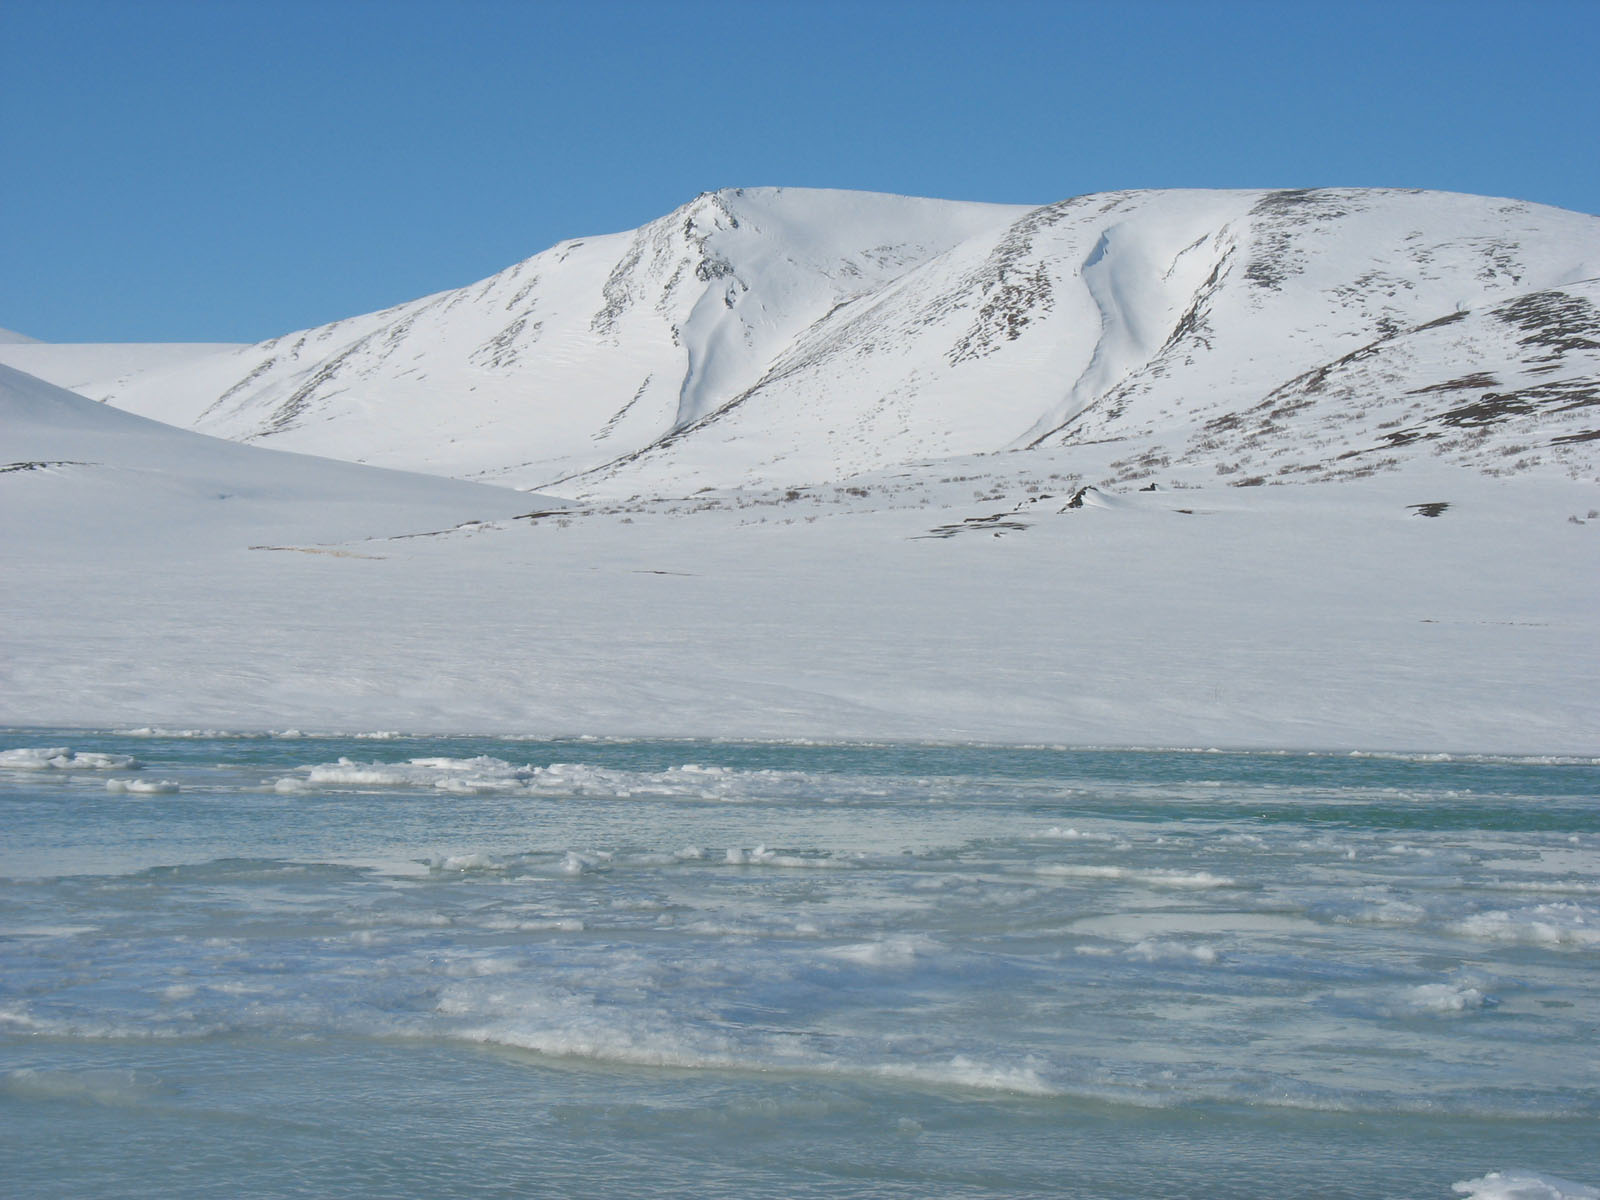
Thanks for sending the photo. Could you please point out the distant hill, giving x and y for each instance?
(95, 476)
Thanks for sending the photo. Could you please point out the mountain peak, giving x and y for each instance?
(793, 335)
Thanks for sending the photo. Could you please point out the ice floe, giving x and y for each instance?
(142, 787)
(62, 758)
(1561, 924)
(1524, 1185)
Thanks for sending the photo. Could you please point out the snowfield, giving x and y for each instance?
(1266, 469)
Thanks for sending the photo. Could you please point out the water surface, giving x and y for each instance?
(475, 967)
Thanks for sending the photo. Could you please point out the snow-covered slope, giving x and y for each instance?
(593, 349)
(93, 476)
(771, 336)
(1222, 330)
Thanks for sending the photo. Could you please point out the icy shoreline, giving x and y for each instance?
(24, 733)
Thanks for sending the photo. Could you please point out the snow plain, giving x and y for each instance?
(826, 458)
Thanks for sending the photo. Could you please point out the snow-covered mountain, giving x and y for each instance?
(592, 350)
(858, 467)
(789, 336)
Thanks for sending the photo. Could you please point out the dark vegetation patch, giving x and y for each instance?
(1320, 202)
(610, 426)
(1432, 508)
(40, 465)
(1492, 407)
(1438, 322)
(1014, 291)
(1404, 437)
(1556, 321)
(288, 414)
(998, 524)
(1011, 301)
(1478, 379)
(243, 384)
(1279, 214)
(617, 290)
(502, 349)
(1193, 322)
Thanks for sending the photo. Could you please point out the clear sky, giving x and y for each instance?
(179, 170)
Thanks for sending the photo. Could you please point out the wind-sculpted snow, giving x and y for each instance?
(786, 337)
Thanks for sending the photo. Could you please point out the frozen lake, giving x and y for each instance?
(386, 966)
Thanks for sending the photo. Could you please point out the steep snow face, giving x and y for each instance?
(1343, 319)
(587, 352)
(10, 337)
(1254, 333)
(775, 337)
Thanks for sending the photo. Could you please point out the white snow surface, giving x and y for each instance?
(1292, 469)
(95, 480)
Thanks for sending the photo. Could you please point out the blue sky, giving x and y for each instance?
(175, 170)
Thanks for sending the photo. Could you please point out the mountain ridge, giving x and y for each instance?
(768, 337)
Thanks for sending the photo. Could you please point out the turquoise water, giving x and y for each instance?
(476, 967)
